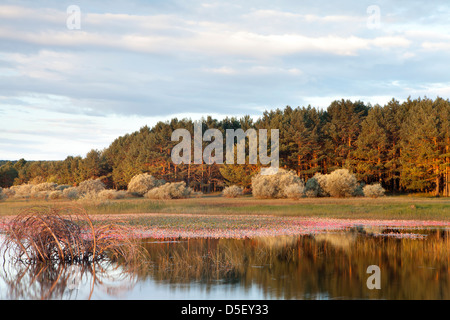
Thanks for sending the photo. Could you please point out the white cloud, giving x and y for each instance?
(45, 65)
(255, 70)
(277, 14)
(143, 34)
(436, 46)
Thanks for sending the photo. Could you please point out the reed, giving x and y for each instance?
(68, 235)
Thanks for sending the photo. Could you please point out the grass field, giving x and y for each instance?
(392, 207)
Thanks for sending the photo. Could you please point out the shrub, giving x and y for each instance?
(2, 195)
(40, 195)
(71, 193)
(143, 183)
(91, 186)
(9, 193)
(294, 191)
(22, 191)
(274, 185)
(111, 194)
(63, 187)
(373, 190)
(311, 193)
(46, 186)
(341, 183)
(175, 190)
(318, 184)
(312, 188)
(358, 192)
(233, 191)
(89, 196)
(321, 179)
(53, 195)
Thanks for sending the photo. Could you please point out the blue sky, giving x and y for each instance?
(131, 63)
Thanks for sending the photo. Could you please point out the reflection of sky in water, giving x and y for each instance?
(194, 291)
(150, 289)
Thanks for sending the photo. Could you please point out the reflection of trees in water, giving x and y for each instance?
(332, 266)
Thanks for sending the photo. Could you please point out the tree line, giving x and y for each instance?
(404, 146)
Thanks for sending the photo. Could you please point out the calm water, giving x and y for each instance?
(327, 266)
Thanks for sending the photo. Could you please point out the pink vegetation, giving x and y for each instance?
(170, 226)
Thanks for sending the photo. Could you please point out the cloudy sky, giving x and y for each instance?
(74, 82)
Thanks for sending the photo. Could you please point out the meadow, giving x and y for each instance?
(388, 207)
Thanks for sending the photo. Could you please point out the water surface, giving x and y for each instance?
(323, 266)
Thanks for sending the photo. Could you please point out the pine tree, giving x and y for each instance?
(422, 160)
(343, 128)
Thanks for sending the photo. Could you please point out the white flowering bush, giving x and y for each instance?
(233, 191)
(54, 195)
(88, 196)
(174, 190)
(43, 190)
(71, 193)
(45, 186)
(9, 193)
(341, 183)
(111, 194)
(294, 191)
(373, 190)
(91, 186)
(143, 183)
(22, 191)
(275, 185)
(315, 186)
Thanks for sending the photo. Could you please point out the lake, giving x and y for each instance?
(413, 264)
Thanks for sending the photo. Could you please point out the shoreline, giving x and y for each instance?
(192, 226)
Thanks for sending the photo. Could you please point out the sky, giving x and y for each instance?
(75, 75)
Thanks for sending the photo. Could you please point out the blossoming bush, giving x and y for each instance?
(112, 194)
(22, 191)
(46, 186)
(233, 191)
(174, 190)
(275, 185)
(373, 190)
(143, 183)
(294, 191)
(91, 186)
(54, 195)
(341, 183)
(94, 190)
(71, 193)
